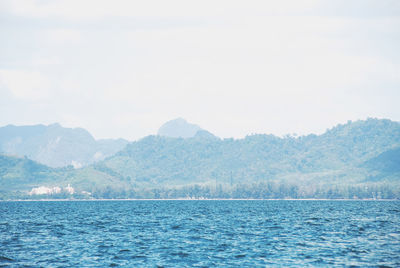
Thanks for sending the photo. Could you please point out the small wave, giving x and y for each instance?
(180, 254)
(312, 223)
(6, 259)
(275, 227)
(138, 257)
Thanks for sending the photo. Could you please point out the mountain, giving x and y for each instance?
(179, 128)
(56, 146)
(22, 173)
(353, 160)
(256, 157)
(25, 178)
(386, 165)
(388, 161)
(313, 165)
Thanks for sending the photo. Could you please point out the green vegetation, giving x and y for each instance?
(355, 160)
(18, 173)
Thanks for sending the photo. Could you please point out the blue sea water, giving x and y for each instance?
(200, 233)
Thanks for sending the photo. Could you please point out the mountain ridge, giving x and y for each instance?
(179, 128)
(56, 146)
(332, 165)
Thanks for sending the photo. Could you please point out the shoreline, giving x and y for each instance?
(190, 199)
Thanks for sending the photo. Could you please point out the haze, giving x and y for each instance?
(123, 68)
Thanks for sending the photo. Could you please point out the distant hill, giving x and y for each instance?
(19, 173)
(386, 165)
(179, 128)
(388, 161)
(354, 160)
(25, 178)
(56, 146)
(256, 157)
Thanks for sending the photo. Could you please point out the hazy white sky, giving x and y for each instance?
(122, 68)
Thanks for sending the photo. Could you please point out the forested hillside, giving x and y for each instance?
(355, 160)
(158, 159)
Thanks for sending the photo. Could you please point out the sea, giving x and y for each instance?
(200, 233)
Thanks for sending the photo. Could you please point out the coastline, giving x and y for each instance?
(190, 199)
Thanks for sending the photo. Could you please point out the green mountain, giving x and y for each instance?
(55, 145)
(354, 160)
(19, 175)
(24, 178)
(385, 165)
(256, 157)
(17, 172)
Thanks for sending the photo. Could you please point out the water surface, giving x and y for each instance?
(200, 233)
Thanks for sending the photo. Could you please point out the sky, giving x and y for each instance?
(122, 68)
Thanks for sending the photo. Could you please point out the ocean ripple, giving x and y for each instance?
(200, 233)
